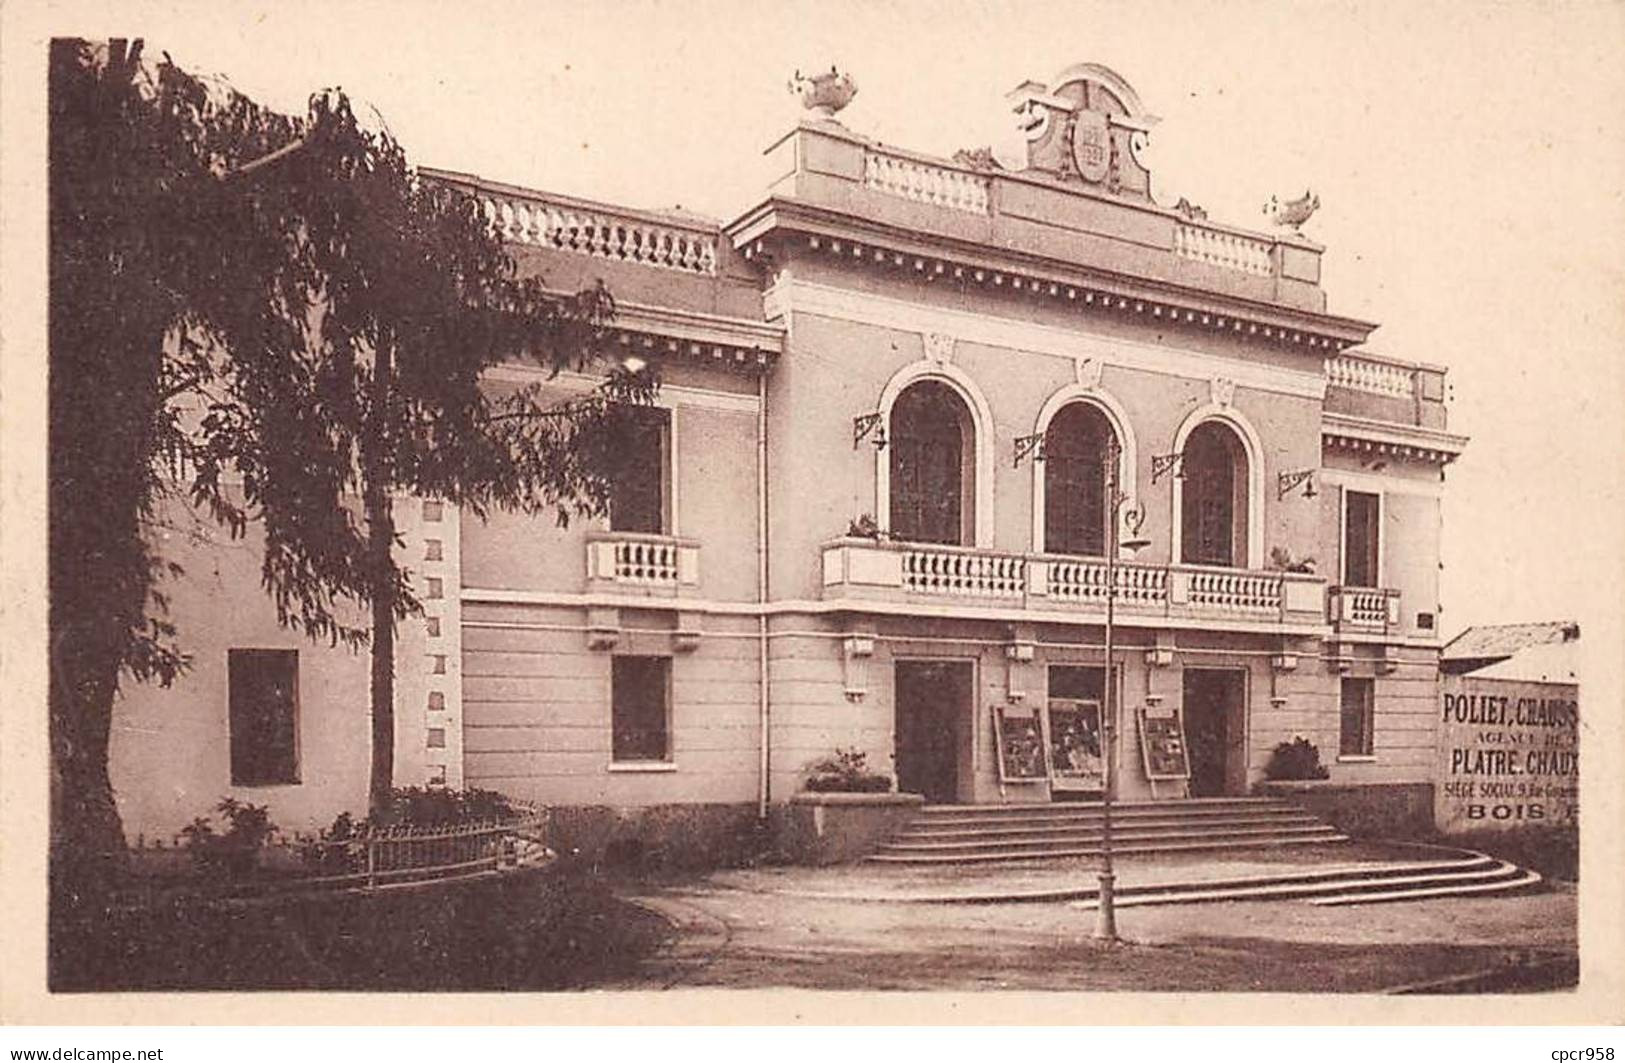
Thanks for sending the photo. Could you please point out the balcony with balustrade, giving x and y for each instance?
(896, 573)
(1363, 610)
(658, 566)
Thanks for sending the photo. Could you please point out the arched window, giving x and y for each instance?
(932, 440)
(1075, 450)
(1213, 502)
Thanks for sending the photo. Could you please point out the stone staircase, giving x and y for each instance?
(984, 834)
(948, 836)
(1471, 873)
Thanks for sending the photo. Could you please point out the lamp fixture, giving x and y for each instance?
(1163, 464)
(1025, 445)
(1287, 482)
(863, 425)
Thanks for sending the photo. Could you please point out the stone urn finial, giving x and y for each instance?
(824, 94)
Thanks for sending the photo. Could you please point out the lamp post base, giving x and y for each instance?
(1106, 909)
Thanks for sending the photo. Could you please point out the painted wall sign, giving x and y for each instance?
(1508, 754)
(1074, 745)
(1162, 744)
(1019, 734)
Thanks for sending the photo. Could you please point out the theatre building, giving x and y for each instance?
(909, 403)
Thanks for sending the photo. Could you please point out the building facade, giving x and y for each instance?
(907, 404)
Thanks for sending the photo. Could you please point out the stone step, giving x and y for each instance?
(1522, 880)
(1076, 838)
(1062, 852)
(1095, 816)
(1386, 882)
(1184, 806)
(1061, 828)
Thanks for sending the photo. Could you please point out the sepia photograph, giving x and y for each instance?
(936, 498)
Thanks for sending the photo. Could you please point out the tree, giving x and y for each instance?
(273, 320)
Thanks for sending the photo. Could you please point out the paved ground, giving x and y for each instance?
(762, 929)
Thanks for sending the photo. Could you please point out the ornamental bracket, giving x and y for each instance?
(865, 424)
(1287, 482)
(1033, 445)
(1163, 464)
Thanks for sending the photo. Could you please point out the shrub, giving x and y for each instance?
(1297, 759)
(235, 852)
(846, 772)
(412, 806)
(863, 527)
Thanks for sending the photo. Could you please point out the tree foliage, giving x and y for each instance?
(273, 320)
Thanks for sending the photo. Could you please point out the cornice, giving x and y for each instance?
(1363, 433)
(809, 228)
(846, 304)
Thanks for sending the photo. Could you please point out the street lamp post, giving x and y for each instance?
(1106, 908)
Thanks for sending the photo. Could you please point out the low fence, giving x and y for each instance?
(373, 858)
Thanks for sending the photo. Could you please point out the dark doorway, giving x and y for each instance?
(1215, 709)
(933, 705)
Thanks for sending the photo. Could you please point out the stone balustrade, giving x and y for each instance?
(656, 562)
(1364, 374)
(963, 574)
(1373, 609)
(915, 572)
(1236, 590)
(1227, 250)
(602, 232)
(925, 183)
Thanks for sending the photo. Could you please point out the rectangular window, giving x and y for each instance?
(1361, 513)
(1358, 718)
(640, 497)
(640, 701)
(263, 693)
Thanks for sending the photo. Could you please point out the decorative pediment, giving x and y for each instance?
(1090, 127)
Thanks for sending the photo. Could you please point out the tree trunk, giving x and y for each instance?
(381, 567)
(381, 539)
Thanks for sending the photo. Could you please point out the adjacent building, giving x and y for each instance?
(908, 403)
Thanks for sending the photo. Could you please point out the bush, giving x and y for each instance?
(418, 807)
(235, 852)
(1297, 759)
(411, 806)
(846, 772)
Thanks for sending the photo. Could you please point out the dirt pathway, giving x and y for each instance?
(746, 939)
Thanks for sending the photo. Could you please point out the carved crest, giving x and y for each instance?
(1087, 371)
(939, 347)
(1091, 145)
(1223, 390)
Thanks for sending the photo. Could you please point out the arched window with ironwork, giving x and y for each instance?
(1213, 503)
(1076, 448)
(931, 441)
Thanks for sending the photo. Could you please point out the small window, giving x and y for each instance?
(1358, 718)
(264, 716)
(640, 703)
(1361, 512)
(639, 499)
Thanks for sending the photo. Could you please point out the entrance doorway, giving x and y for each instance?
(933, 706)
(1215, 707)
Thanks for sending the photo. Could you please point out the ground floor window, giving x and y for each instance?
(1358, 718)
(263, 699)
(640, 708)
